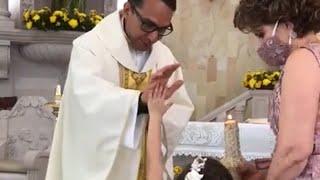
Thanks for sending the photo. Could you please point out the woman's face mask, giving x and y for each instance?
(273, 51)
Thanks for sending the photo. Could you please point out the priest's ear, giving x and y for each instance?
(127, 9)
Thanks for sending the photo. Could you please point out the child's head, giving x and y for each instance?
(210, 168)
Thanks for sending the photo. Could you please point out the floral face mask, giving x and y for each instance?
(273, 51)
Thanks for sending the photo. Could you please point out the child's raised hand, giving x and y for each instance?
(157, 104)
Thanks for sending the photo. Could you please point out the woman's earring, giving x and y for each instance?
(292, 35)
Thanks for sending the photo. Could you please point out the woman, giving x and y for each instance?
(288, 32)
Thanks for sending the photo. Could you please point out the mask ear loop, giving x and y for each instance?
(275, 28)
(290, 38)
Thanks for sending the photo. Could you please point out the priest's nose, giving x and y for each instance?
(153, 36)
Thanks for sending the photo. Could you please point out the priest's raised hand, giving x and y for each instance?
(162, 77)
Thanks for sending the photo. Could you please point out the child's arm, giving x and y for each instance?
(157, 108)
(154, 154)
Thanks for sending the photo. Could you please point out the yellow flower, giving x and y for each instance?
(96, 22)
(46, 8)
(258, 84)
(266, 82)
(93, 12)
(58, 13)
(33, 12)
(252, 82)
(29, 25)
(81, 19)
(26, 15)
(177, 170)
(277, 73)
(73, 23)
(98, 17)
(36, 17)
(41, 11)
(53, 19)
(65, 18)
(82, 15)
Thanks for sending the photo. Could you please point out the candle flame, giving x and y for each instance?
(229, 117)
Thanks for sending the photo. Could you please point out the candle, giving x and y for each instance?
(232, 156)
(58, 90)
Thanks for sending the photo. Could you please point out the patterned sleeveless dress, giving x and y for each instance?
(312, 169)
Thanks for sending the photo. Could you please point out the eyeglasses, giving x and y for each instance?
(149, 27)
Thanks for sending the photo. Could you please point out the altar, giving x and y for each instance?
(207, 139)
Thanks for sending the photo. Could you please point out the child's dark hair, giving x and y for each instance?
(213, 170)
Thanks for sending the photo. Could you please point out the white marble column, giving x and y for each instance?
(4, 13)
(4, 59)
(5, 22)
(5, 25)
(110, 6)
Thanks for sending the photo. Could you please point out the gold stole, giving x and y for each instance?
(136, 81)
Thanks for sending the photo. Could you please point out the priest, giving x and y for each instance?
(101, 126)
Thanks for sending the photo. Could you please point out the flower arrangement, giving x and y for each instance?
(63, 19)
(261, 79)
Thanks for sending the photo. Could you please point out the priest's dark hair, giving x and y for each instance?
(172, 4)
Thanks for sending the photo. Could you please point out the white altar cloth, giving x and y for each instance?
(207, 139)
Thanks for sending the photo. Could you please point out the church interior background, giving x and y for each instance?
(214, 56)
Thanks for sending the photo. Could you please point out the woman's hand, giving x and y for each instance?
(248, 171)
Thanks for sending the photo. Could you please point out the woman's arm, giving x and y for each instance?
(298, 112)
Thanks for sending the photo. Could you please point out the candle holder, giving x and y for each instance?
(55, 104)
(232, 157)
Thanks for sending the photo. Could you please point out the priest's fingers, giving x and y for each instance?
(164, 92)
(157, 91)
(173, 88)
(165, 72)
(169, 70)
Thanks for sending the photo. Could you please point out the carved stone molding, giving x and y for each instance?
(21, 36)
(34, 102)
(4, 59)
(47, 53)
(30, 127)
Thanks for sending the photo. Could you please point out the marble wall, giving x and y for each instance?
(30, 78)
(214, 55)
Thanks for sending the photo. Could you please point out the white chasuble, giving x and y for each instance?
(98, 134)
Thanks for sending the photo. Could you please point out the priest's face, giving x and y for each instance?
(147, 24)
